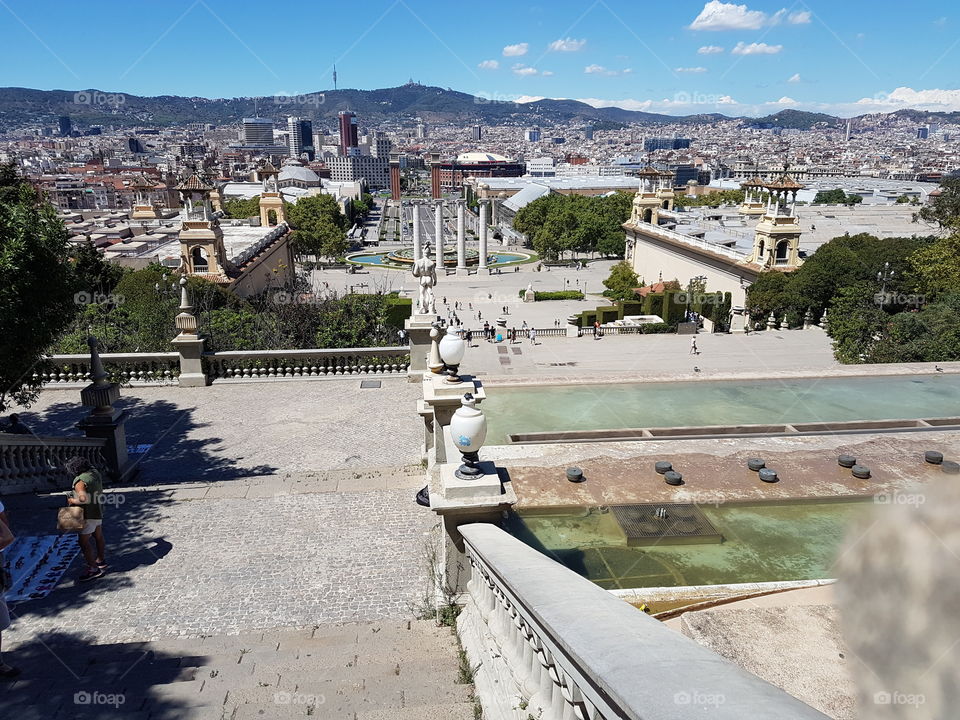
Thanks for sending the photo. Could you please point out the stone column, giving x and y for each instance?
(416, 230)
(461, 241)
(483, 237)
(188, 344)
(438, 236)
(105, 421)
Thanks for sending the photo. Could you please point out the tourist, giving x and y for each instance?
(15, 427)
(7, 672)
(533, 336)
(88, 494)
(444, 299)
(469, 338)
(693, 346)
(524, 325)
(402, 334)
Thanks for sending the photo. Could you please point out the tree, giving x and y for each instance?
(94, 275)
(239, 209)
(943, 210)
(621, 282)
(857, 323)
(556, 224)
(37, 284)
(830, 197)
(937, 267)
(319, 227)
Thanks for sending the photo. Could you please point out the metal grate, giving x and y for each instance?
(683, 524)
(364, 384)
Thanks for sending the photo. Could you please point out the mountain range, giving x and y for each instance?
(25, 107)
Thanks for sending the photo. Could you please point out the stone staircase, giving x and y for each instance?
(391, 670)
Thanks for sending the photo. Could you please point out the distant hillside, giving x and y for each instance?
(795, 119)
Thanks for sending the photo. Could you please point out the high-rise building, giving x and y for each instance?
(922, 133)
(66, 127)
(257, 131)
(421, 129)
(300, 137)
(662, 143)
(477, 133)
(532, 135)
(348, 132)
(379, 145)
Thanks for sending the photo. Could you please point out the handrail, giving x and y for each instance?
(576, 651)
(33, 462)
(652, 229)
(140, 368)
(315, 362)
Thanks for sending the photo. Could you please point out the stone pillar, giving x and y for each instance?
(482, 267)
(461, 240)
(188, 344)
(416, 230)
(438, 234)
(105, 421)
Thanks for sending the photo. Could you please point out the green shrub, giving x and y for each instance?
(657, 328)
(556, 295)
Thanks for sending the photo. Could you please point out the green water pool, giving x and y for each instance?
(720, 402)
(762, 542)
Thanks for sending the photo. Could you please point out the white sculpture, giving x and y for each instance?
(425, 270)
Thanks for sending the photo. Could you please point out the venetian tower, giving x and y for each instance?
(752, 204)
(143, 208)
(270, 199)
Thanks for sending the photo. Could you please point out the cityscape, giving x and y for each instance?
(599, 361)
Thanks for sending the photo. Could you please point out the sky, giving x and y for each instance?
(679, 57)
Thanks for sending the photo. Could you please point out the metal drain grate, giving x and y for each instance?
(365, 384)
(683, 524)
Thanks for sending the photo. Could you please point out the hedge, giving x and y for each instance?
(557, 295)
(398, 310)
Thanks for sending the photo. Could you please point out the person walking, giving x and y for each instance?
(469, 338)
(7, 672)
(533, 336)
(693, 346)
(88, 494)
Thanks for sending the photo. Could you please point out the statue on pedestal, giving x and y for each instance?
(425, 270)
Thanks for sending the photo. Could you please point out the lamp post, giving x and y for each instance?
(468, 428)
(452, 347)
(883, 277)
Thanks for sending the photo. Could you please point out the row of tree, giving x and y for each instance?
(559, 224)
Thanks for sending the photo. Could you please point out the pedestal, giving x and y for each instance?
(463, 272)
(418, 332)
(107, 424)
(443, 399)
(190, 348)
(738, 322)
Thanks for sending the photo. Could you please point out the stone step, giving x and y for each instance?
(458, 711)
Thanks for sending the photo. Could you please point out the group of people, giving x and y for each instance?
(87, 494)
(15, 426)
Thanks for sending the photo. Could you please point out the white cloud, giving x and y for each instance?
(530, 98)
(598, 70)
(690, 70)
(626, 71)
(906, 97)
(523, 70)
(799, 18)
(516, 50)
(742, 48)
(940, 22)
(718, 15)
(710, 50)
(777, 17)
(795, 78)
(784, 101)
(567, 45)
(547, 73)
(489, 65)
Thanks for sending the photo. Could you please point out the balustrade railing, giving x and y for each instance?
(125, 368)
(576, 652)
(269, 364)
(31, 462)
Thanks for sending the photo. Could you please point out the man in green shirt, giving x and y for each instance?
(88, 494)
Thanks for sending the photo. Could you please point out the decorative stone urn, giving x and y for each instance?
(468, 428)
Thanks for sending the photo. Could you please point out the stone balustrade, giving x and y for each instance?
(124, 368)
(548, 643)
(29, 462)
(271, 364)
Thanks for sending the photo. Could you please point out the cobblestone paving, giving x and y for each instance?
(240, 556)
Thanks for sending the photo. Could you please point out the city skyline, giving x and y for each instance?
(738, 59)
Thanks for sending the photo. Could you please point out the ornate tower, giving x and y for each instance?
(752, 204)
(646, 203)
(201, 240)
(143, 208)
(776, 244)
(270, 199)
(665, 191)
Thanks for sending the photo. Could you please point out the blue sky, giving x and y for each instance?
(679, 57)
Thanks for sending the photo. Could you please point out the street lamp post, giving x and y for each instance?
(883, 277)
